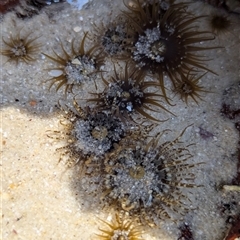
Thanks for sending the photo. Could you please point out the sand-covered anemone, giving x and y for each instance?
(89, 134)
(21, 47)
(166, 39)
(120, 228)
(113, 39)
(77, 67)
(127, 93)
(97, 133)
(150, 176)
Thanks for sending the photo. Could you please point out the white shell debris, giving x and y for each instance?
(55, 73)
(231, 188)
(77, 29)
(76, 61)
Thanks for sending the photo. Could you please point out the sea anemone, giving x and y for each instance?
(188, 87)
(77, 67)
(120, 228)
(21, 48)
(219, 23)
(113, 39)
(149, 176)
(97, 133)
(165, 38)
(90, 134)
(127, 93)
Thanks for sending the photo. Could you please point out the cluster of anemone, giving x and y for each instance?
(165, 40)
(156, 36)
(91, 134)
(139, 174)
